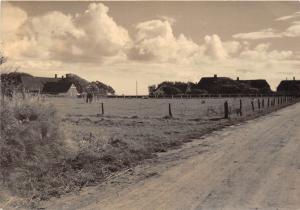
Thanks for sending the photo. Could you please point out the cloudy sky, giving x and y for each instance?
(149, 42)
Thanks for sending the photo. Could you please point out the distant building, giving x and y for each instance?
(35, 84)
(68, 85)
(61, 87)
(223, 85)
(55, 86)
(261, 85)
(289, 87)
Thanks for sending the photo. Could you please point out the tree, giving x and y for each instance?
(3, 59)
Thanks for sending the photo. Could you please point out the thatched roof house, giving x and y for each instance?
(289, 87)
(261, 85)
(35, 84)
(224, 85)
(70, 84)
(168, 88)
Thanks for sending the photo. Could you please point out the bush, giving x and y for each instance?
(31, 144)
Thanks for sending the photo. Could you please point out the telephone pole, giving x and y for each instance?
(136, 88)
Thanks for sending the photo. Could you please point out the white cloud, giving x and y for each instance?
(288, 17)
(89, 37)
(232, 47)
(59, 42)
(293, 30)
(261, 53)
(214, 47)
(155, 40)
(263, 34)
(12, 18)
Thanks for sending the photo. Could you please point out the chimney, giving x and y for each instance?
(237, 79)
(294, 78)
(215, 76)
(55, 76)
(62, 77)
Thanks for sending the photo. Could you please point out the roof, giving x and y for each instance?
(289, 87)
(56, 87)
(261, 84)
(35, 83)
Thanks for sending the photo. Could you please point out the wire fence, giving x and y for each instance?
(204, 108)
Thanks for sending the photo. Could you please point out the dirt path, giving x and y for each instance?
(255, 165)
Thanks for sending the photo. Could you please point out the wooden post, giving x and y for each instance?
(268, 102)
(252, 103)
(170, 111)
(102, 108)
(258, 103)
(226, 110)
(241, 107)
(263, 103)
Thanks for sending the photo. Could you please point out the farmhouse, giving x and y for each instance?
(224, 85)
(68, 85)
(62, 87)
(35, 84)
(261, 85)
(45, 85)
(289, 87)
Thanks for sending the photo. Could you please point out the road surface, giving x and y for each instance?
(254, 165)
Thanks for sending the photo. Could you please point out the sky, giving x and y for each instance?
(120, 43)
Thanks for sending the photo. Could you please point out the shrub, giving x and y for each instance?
(31, 144)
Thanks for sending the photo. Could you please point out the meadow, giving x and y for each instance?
(54, 145)
(200, 108)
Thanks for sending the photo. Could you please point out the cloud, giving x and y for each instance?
(288, 17)
(263, 34)
(291, 31)
(170, 19)
(214, 47)
(81, 43)
(87, 37)
(155, 40)
(262, 53)
(232, 47)
(12, 18)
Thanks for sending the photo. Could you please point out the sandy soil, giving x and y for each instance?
(254, 165)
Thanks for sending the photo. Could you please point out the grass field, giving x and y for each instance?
(204, 108)
(94, 145)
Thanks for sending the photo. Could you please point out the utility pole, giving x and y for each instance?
(136, 88)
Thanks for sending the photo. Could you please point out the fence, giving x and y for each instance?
(204, 108)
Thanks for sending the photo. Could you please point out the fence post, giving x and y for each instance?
(252, 103)
(241, 107)
(102, 108)
(226, 110)
(170, 110)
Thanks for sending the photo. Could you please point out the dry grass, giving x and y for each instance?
(31, 143)
(44, 156)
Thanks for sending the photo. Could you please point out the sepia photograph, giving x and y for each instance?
(150, 105)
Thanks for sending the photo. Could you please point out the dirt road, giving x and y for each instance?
(254, 165)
